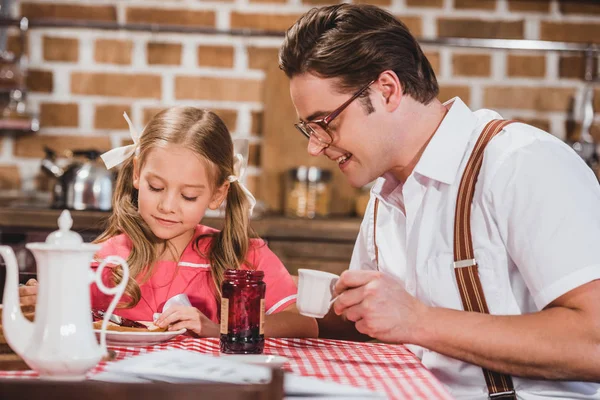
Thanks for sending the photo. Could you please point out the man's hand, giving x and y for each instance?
(28, 293)
(190, 318)
(379, 305)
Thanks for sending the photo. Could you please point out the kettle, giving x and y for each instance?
(83, 184)
(60, 344)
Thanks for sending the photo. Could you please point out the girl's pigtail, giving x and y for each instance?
(231, 244)
(126, 219)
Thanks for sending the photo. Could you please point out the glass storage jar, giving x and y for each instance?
(308, 192)
(242, 312)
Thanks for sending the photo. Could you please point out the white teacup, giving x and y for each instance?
(315, 292)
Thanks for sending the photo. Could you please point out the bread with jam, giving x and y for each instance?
(117, 328)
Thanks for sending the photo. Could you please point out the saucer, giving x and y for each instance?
(138, 337)
(266, 360)
(114, 338)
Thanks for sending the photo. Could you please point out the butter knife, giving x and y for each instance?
(121, 321)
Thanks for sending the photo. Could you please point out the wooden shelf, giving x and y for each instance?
(274, 227)
(19, 125)
(323, 244)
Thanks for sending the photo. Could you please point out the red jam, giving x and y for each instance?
(242, 312)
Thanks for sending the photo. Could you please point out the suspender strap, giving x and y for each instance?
(375, 232)
(500, 386)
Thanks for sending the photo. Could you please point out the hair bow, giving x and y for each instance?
(239, 170)
(118, 155)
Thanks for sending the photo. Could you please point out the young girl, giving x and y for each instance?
(182, 164)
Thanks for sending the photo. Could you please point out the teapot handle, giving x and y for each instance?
(117, 291)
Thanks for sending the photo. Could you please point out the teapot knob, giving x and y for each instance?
(65, 221)
(64, 236)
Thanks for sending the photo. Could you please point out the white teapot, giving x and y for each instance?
(61, 343)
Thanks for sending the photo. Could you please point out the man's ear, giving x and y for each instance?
(391, 89)
(136, 173)
(219, 196)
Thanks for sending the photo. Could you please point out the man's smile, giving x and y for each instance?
(343, 158)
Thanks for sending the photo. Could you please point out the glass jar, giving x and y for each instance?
(242, 312)
(308, 192)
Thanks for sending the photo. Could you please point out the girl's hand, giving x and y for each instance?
(28, 293)
(190, 318)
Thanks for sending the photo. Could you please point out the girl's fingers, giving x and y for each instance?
(28, 301)
(169, 319)
(182, 312)
(175, 316)
(165, 315)
(27, 291)
(181, 325)
(28, 295)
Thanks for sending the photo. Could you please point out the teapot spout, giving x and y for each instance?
(17, 329)
(49, 167)
(48, 164)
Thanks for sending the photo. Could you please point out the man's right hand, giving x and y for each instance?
(334, 326)
(28, 293)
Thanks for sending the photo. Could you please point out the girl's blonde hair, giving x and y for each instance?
(204, 133)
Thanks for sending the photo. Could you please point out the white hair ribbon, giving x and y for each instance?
(239, 170)
(118, 155)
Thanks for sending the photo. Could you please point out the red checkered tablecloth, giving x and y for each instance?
(389, 369)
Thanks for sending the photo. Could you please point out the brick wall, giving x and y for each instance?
(82, 80)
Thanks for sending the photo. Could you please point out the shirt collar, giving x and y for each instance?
(444, 153)
(446, 149)
(385, 185)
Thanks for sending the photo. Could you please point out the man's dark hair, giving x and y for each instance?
(355, 43)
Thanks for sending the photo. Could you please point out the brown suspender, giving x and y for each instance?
(375, 233)
(500, 386)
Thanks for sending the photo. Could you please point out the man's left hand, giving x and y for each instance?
(379, 305)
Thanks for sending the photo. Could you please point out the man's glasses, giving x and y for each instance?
(319, 127)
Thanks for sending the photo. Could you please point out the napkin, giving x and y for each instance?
(181, 299)
(181, 366)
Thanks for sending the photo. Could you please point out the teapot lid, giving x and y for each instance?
(64, 236)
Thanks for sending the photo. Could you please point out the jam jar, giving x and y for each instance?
(242, 312)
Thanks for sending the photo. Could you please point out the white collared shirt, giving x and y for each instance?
(535, 226)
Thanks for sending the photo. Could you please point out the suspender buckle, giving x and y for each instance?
(503, 395)
(464, 263)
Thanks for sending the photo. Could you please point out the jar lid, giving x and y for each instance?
(318, 175)
(311, 174)
(244, 274)
(299, 174)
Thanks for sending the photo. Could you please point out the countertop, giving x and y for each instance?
(327, 229)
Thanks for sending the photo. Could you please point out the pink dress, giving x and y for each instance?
(192, 276)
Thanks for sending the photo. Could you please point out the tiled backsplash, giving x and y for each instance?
(82, 80)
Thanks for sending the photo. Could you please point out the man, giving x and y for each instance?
(366, 98)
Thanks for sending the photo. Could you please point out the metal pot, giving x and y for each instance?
(84, 184)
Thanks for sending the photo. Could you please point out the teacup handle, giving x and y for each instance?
(117, 291)
(333, 300)
(331, 286)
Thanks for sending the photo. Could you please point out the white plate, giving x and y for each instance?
(141, 338)
(266, 360)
